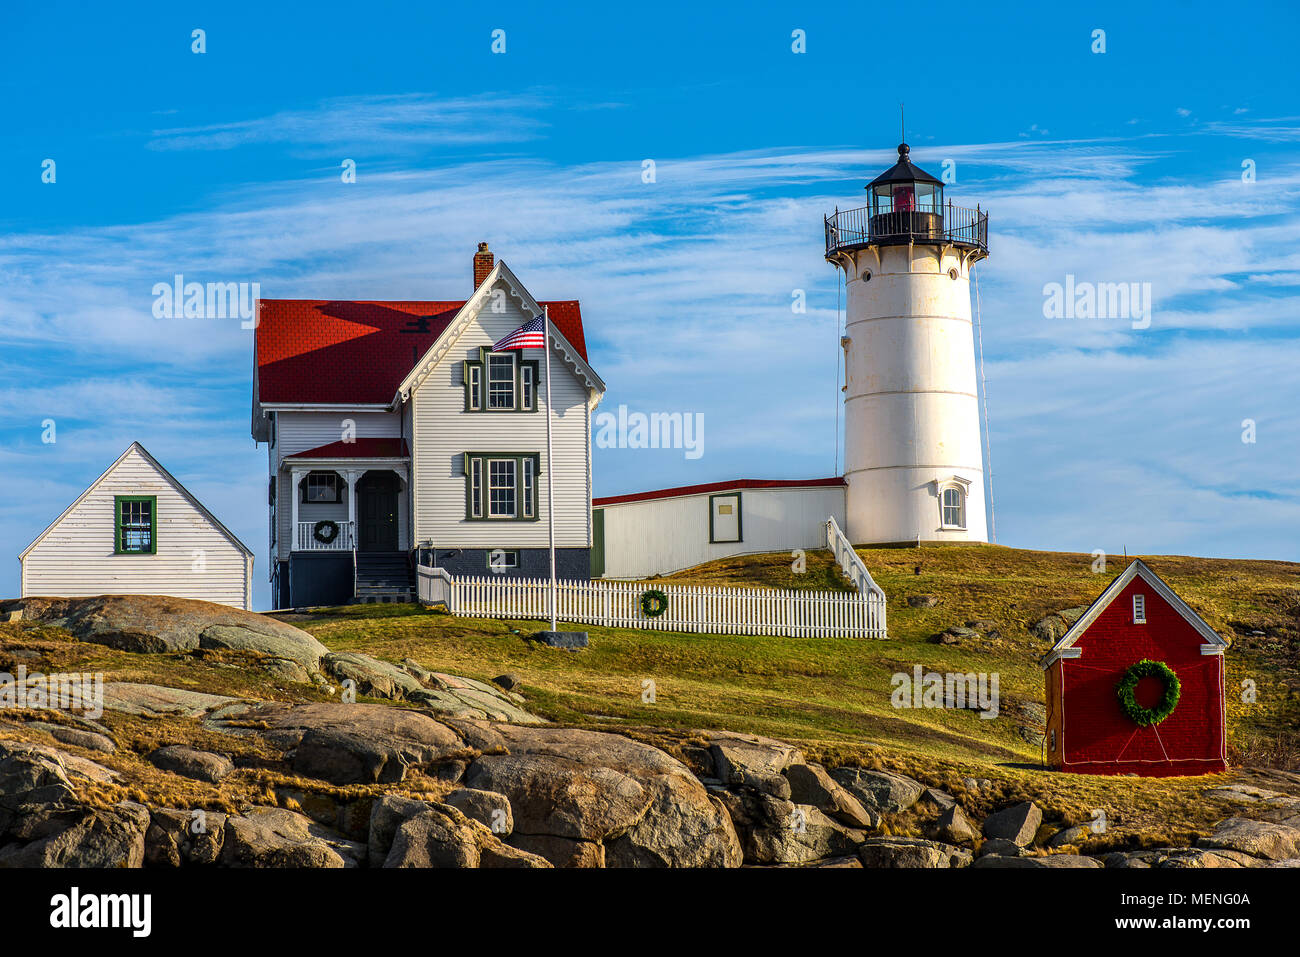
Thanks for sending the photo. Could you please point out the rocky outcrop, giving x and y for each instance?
(645, 807)
(156, 623)
(192, 763)
(275, 837)
(1264, 839)
(176, 838)
(1048, 860)
(77, 837)
(453, 772)
(910, 852)
(1051, 627)
(883, 792)
(1017, 824)
(810, 784)
(446, 695)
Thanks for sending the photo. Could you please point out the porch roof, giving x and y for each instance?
(367, 448)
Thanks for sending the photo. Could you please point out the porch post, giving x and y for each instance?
(403, 474)
(296, 475)
(350, 476)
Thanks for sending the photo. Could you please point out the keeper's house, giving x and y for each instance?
(137, 531)
(664, 531)
(1137, 685)
(394, 431)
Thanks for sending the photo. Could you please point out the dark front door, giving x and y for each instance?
(377, 511)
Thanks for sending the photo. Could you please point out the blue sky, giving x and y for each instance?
(1122, 166)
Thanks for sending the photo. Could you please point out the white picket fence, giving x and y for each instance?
(691, 608)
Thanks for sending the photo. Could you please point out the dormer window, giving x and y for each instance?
(500, 382)
(1139, 609)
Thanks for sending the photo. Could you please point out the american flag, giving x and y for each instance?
(531, 335)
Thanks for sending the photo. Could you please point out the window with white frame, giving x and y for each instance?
(502, 491)
(952, 504)
(503, 560)
(501, 380)
(321, 487)
(501, 486)
(1139, 609)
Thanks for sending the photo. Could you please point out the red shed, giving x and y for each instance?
(1136, 686)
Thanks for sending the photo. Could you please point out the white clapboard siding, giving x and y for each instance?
(691, 608)
(299, 431)
(196, 556)
(664, 535)
(443, 432)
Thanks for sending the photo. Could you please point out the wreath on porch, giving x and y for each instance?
(325, 531)
(653, 603)
(1146, 668)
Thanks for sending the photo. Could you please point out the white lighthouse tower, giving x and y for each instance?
(913, 459)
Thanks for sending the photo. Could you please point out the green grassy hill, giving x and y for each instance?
(832, 696)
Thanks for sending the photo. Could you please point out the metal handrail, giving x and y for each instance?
(853, 228)
(850, 562)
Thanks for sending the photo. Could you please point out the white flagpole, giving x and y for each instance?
(550, 484)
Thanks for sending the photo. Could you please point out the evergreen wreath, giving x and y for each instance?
(1146, 668)
(653, 603)
(325, 531)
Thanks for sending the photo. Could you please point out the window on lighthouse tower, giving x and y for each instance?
(953, 504)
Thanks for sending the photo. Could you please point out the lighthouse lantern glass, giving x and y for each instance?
(906, 198)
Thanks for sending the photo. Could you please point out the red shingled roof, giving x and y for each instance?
(323, 351)
(716, 487)
(363, 448)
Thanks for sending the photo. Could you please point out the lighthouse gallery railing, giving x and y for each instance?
(852, 228)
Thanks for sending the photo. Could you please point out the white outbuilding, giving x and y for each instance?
(138, 531)
(667, 530)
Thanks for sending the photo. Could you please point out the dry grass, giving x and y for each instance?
(831, 696)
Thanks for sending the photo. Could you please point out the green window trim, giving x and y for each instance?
(118, 502)
(525, 511)
(474, 379)
(740, 527)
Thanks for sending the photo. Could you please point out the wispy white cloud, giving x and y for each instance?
(367, 122)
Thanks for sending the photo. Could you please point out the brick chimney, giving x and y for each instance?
(483, 263)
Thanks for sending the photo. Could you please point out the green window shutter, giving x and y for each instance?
(597, 542)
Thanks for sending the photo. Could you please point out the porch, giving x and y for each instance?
(348, 504)
(348, 528)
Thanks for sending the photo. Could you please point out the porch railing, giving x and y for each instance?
(307, 541)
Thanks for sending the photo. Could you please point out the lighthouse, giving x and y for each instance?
(912, 453)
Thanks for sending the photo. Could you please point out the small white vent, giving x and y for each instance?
(1139, 609)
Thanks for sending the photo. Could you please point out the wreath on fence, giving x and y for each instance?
(1146, 668)
(653, 603)
(325, 531)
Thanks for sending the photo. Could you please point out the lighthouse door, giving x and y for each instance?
(724, 517)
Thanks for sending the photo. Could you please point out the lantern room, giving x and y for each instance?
(905, 188)
(906, 201)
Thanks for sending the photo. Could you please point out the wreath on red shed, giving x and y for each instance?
(1146, 668)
